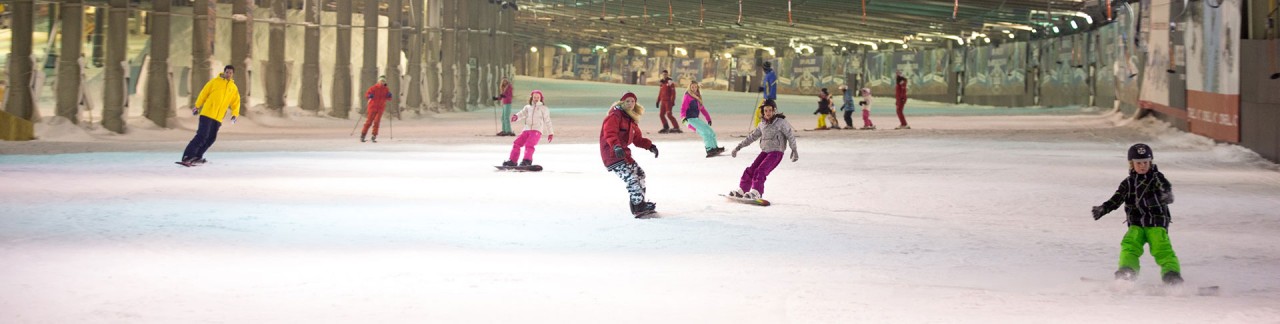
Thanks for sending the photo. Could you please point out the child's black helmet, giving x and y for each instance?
(1140, 152)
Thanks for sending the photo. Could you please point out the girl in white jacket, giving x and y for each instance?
(537, 119)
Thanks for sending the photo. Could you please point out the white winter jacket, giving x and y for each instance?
(536, 117)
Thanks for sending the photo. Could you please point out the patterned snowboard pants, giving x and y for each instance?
(633, 175)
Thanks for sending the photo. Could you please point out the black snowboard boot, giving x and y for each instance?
(362, 140)
(525, 163)
(374, 139)
(643, 209)
(664, 130)
(508, 163)
(199, 161)
(1172, 278)
(1126, 274)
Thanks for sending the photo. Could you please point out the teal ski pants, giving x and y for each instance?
(704, 130)
(1161, 248)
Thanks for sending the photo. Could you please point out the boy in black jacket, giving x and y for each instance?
(1146, 196)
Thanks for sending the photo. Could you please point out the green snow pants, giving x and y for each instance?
(1161, 248)
(506, 118)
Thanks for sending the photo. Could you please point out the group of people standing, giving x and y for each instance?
(826, 113)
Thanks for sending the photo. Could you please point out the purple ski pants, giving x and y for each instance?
(754, 176)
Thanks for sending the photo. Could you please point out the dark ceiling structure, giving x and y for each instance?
(718, 24)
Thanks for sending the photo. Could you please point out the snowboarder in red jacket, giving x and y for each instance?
(621, 129)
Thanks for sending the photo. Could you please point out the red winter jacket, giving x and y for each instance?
(900, 91)
(667, 93)
(378, 96)
(620, 130)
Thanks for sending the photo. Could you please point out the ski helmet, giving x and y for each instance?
(768, 66)
(1140, 152)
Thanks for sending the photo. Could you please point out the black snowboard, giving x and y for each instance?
(528, 168)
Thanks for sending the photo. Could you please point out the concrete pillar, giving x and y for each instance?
(432, 49)
(369, 73)
(68, 61)
(115, 93)
(342, 67)
(413, 95)
(242, 51)
(448, 55)
(159, 100)
(277, 72)
(394, 48)
(463, 64)
(19, 102)
(309, 94)
(484, 22)
(202, 36)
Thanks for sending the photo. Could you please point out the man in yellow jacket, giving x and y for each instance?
(217, 96)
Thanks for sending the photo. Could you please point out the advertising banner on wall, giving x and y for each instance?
(997, 70)
(926, 71)
(1213, 70)
(1155, 79)
(880, 72)
(1126, 54)
(806, 74)
(687, 69)
(586, 67)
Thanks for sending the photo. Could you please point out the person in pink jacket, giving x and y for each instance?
(505, 96)
(694, 114)
(537, 119)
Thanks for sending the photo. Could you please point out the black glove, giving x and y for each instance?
(495, 97)
(862, 103)
(709, 123)
(617, 152)
(654, 149)
(1097, 212)
(762, 89)
(195, 111)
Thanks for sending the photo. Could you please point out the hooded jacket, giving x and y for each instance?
(536, 117)
(667, 92)
(620, 129)
(1146, 199)
(700, 111)
(848, 101)
(378, 96)
(218, 95)
(774, 135)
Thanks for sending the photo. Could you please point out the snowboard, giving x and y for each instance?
(189, 164)
(647, 214)
(757, 202)
(530, 168)
(1199, 291)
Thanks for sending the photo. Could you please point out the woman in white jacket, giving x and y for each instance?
(537, 119)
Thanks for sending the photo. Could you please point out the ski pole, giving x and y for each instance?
(392, 125)
(353, 127)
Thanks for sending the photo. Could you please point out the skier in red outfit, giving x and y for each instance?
(667, 99)
(900, 94)
(378, 96)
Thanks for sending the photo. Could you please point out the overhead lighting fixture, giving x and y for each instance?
(771, 52)
(1011, 35)
(1055, 29)
(728, 55)
(988, 40)
(1073, 25)
(873, 45)
(681, 51)
(533, 49)
(904, 45)
(565, 47)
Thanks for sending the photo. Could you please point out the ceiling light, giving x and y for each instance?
(1055, 29)
(1010, 35)
(728, 55)
(533, 49)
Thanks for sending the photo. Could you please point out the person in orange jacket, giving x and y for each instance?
(378, 96)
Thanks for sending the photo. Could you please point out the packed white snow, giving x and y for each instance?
(976, 215)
